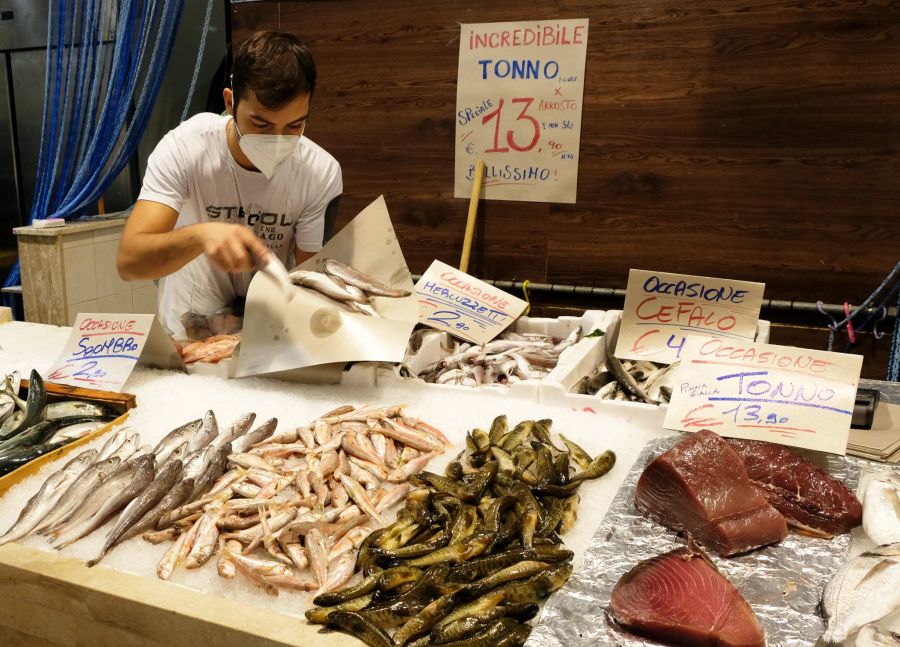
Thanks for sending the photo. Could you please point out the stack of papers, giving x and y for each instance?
(882, 441)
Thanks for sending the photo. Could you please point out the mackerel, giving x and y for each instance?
(53, 488)
(140, 476)
(86, 483)
(145, 501)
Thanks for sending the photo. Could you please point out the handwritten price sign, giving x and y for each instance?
(462, 305)
(792, 396)
(102, 350)
(662, 309)
(518, 108)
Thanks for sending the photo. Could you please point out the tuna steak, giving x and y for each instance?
(811, 500)
(680, 598)
(700, 487)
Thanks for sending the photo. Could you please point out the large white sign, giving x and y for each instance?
(518, 108)
(782, 394)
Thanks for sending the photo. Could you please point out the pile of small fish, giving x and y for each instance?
(210, 351)
(473, 552)
(33, 427)
(77, 493)
(505, 360)
(864, 591)
(346, 287)
(640, 381)
(306, 496)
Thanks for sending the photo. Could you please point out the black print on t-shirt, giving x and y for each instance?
(270, 227)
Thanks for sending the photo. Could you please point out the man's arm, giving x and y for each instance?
(151, 247)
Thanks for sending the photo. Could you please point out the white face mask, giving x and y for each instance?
(266, 151)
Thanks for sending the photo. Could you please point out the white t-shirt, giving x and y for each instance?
(192, 171)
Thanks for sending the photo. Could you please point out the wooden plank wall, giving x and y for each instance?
(752, 140)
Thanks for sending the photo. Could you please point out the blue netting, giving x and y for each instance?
(105, 63)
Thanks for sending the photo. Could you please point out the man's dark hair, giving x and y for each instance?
(274, 65)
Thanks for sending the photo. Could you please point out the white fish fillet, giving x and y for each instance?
(881, 510)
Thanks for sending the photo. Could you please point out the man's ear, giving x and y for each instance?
(228, 96)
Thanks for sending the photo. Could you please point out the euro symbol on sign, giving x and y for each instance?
(470, 148)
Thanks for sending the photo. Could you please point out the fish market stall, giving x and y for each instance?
(122, 600)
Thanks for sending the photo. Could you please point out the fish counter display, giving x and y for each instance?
(425, 523)
(245, 564)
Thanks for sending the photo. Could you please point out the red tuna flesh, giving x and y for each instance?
(700, 487)
(812, 501)
(681, 599)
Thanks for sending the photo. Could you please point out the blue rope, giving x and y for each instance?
(98, 98)
(190, 95)
(893, 372)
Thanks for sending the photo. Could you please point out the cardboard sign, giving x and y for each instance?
(462, 305)
(662, 309)
(792, 396)
(103, 349)
(309, 329)
(518, 107)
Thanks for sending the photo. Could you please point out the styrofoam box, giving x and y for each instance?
(566, 375)
(435, 346)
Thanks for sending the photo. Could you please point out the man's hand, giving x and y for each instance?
(232, 247)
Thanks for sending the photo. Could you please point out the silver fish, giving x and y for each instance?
(174, 438)
(258, 435)
(862, 591)
(127, 449)
(95, 499)
(198, 462)
(209, 429)
(216, 468)
(872, 636)
(78, 430)
(7, 406)
(113, 442)
(321, 283)
(86, 483)
(136, 481)
(237, 429)
(53, 488)
(13, 421)
(145, 501)
(881, 510)
(180, 453)
(75, 408)
(173, 498)
(364, 282)
(626, 380)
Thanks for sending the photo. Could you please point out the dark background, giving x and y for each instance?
(747, 140)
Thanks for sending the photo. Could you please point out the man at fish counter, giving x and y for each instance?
(223, 192)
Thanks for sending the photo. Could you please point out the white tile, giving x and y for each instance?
(144, 299)
(79, 239)
(108, 281)
(113, 234)
(78, 266)
(121, 302)
(85, 306)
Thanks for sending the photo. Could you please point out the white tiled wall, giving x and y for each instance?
(92, 281)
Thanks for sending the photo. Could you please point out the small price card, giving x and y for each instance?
(662, 309)
(462, 305)
(103, 349)
(792, 396)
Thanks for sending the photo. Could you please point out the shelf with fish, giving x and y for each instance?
(42, 422)
(601, 378)
(532, 352)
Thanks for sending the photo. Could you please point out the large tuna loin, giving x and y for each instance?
(811, 500)
(680, 598)
(700, 487)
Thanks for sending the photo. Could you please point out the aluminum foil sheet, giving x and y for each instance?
(783, 583)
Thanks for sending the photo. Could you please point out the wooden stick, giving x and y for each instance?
(470, 221)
